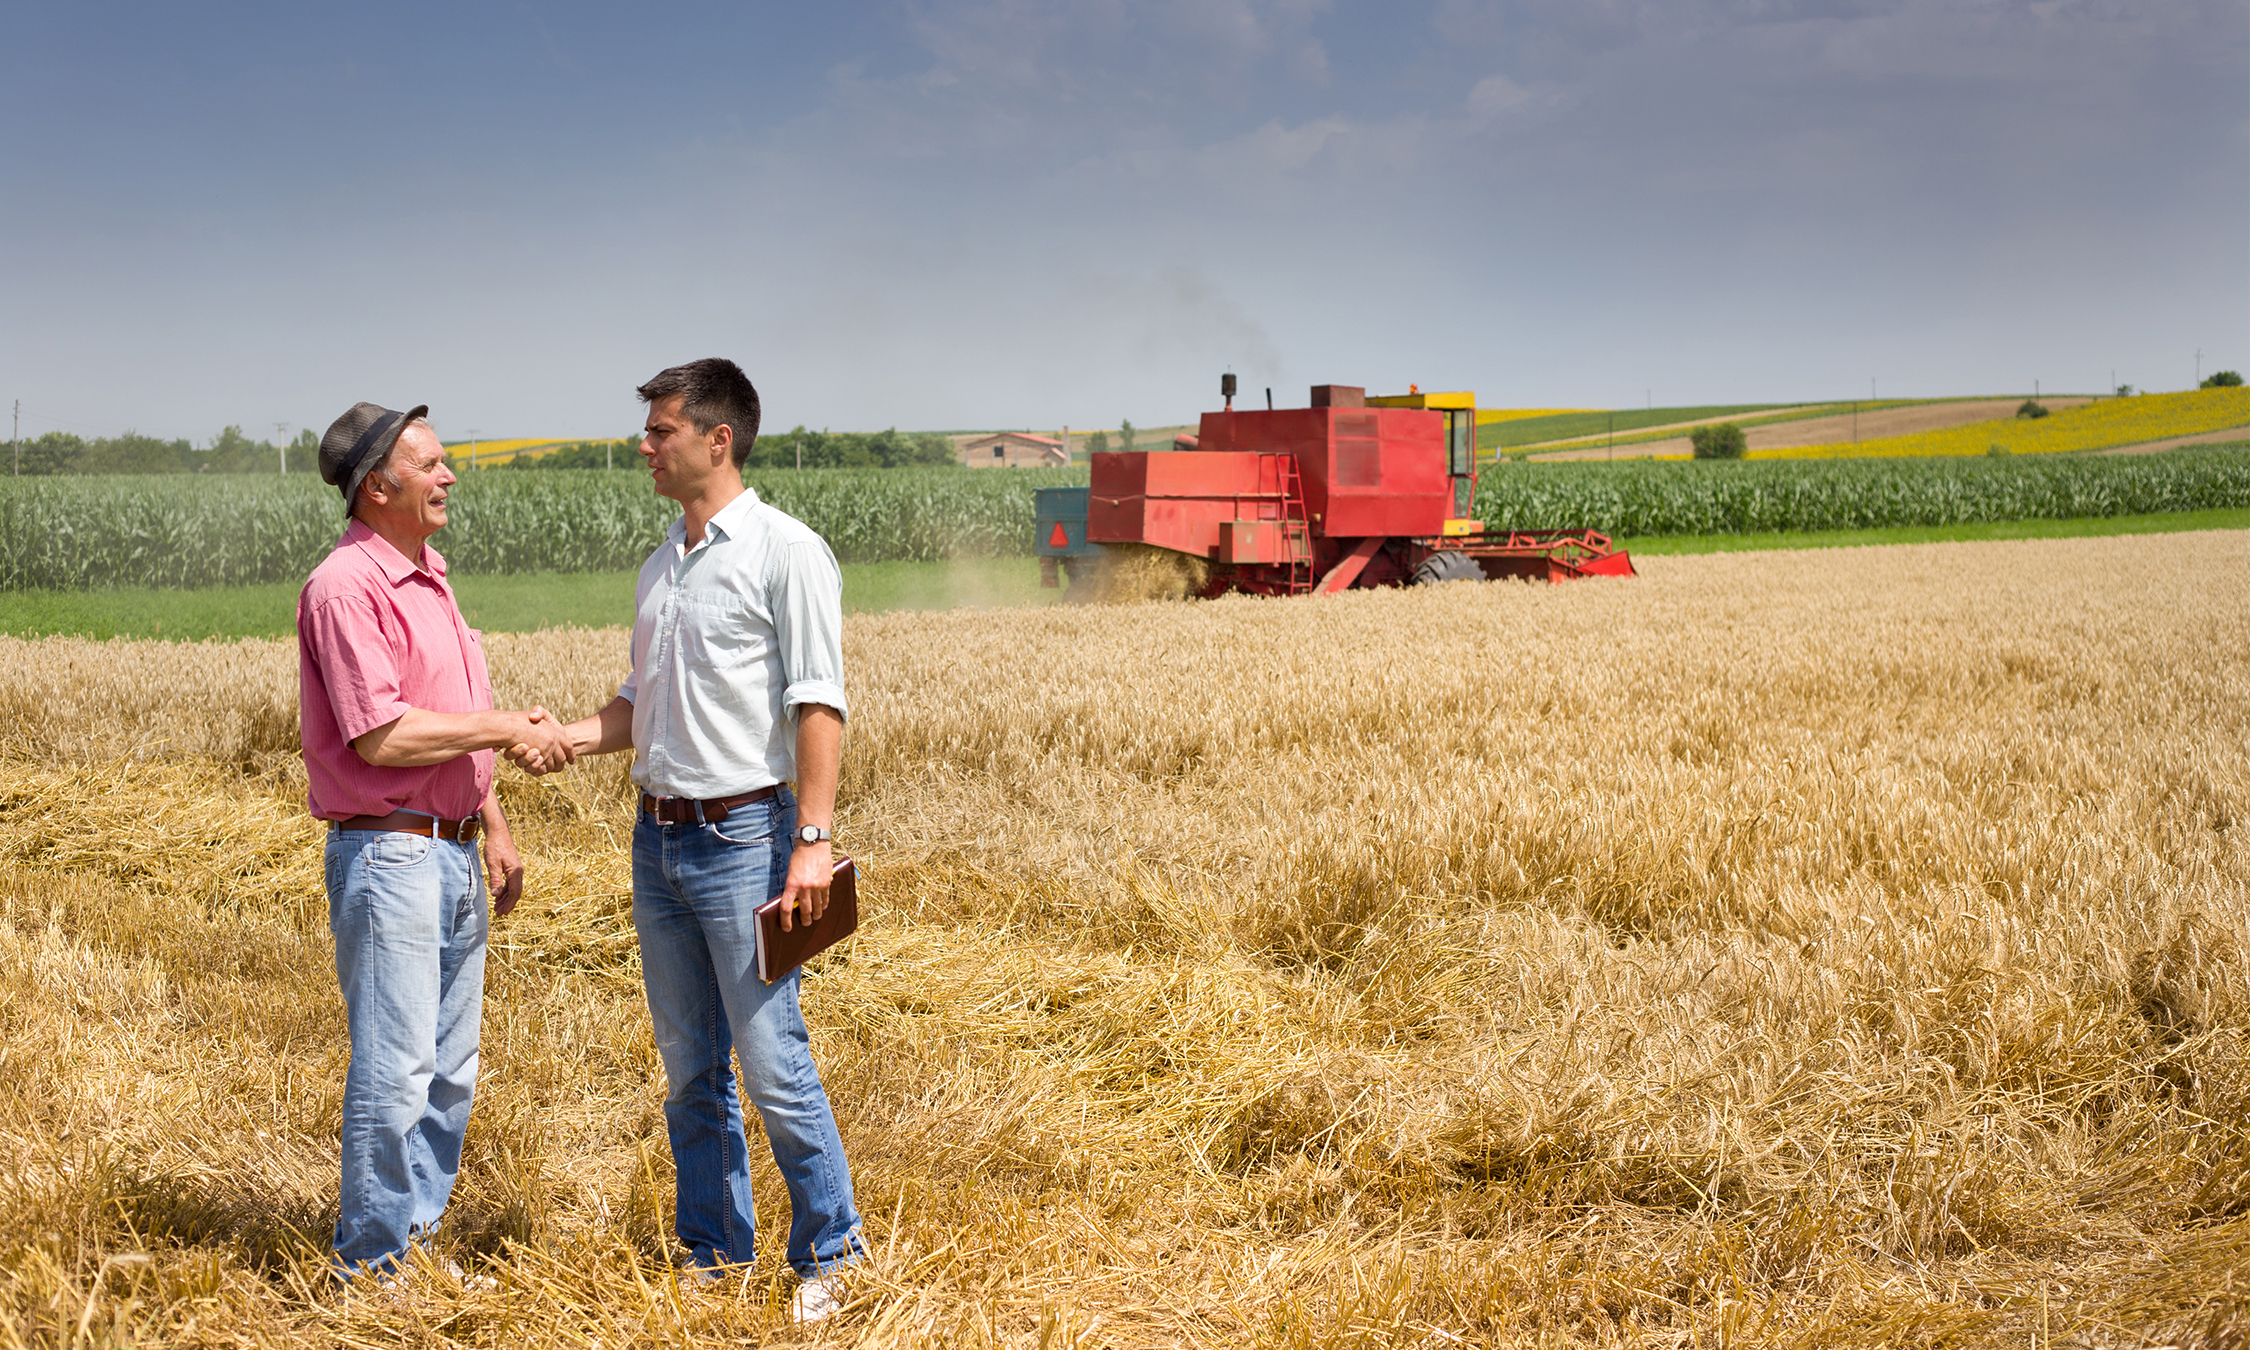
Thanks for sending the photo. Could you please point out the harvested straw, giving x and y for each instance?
(1129, 573)
(1810, 949)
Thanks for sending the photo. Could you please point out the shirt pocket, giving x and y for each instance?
(717, 632)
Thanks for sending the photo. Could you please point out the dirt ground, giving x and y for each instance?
(2175, 442)
(1839, 428)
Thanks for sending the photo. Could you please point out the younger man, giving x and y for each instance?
(737, 689)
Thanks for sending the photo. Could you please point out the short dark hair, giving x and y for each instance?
(711, 391)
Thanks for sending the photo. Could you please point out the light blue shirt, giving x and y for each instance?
(730, 637)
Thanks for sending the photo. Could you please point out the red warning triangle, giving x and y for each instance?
(1060, 538)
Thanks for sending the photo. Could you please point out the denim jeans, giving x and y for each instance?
(410, 920)
(695, 890)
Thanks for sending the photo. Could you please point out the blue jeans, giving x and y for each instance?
(410, 919)
(695, 890)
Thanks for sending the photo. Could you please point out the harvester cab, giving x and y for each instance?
(1348, 492)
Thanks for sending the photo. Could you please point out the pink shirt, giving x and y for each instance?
(377, 635)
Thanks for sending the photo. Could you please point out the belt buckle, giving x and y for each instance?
(467, 829)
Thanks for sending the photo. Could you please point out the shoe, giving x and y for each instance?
(479, 1283)
(401, 1282)
(818, 1299)
(696, 1281)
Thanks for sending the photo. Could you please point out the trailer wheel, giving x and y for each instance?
(1449, 565)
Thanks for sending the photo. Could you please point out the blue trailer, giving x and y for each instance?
(1065, 554)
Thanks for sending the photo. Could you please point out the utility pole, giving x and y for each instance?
(799, 443)
(281, 433)
(17, 436)
(472, 448)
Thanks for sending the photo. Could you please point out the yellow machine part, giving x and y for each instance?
(1459, 399)
(1454, 528)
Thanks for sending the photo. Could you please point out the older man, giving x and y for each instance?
(399, 735)
(737, 689)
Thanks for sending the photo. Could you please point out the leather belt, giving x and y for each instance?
(689, 810)
(460, 831)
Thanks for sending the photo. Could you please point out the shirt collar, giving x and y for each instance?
(735, 515)
(396, 565)
(731, 520)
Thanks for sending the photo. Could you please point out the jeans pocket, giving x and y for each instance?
(395, 848)
(752, 824)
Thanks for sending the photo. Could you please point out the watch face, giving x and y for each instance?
(809, 833)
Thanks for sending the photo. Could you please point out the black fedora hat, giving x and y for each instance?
(357, 442)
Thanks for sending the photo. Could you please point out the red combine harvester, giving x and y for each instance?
(1350, 492)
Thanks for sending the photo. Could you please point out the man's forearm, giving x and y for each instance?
(490, 814)
(820, 756)
(420, 737)
(606, 732)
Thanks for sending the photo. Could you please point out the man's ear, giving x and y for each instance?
(722, 440)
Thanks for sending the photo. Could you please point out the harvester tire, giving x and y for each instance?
(1447, 566)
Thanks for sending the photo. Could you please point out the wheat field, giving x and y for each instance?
(1821, 949)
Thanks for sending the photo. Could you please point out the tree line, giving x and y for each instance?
(59, 452)
(892, 449)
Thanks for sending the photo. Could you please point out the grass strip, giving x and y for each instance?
(497, 604)
(2170, 522)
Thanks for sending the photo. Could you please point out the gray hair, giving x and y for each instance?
(382, 468)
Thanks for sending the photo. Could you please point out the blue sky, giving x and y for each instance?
(976, 213)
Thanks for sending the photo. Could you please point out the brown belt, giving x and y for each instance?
(459, 831)
(688, 810)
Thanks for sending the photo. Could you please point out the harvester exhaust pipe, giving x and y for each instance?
(1226, 389)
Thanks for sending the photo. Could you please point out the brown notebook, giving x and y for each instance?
(780, 952)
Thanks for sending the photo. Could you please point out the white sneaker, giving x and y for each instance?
(818, 1299)
(696, 1281)
(479, 1283)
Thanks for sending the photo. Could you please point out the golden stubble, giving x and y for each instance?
(1826, 948)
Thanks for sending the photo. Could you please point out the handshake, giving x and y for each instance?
(544, 745)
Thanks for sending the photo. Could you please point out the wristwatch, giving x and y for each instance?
(812, 834)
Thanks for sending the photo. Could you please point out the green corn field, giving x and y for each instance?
(83, 533)
(1650, 497)
(80, 533)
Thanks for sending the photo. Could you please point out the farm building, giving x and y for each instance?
(1013, 450)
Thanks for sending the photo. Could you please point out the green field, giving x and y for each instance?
(1640, 498)
(502, 604)
(512, 604)
(2171, 522)
(193, 531)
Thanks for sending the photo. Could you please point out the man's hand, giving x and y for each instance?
(503, 866)
(546, 745)
(812, 870)
(605, 733)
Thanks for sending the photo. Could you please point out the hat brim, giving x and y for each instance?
(378, 452)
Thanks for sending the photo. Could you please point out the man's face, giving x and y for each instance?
(417, 505)
(681, 460)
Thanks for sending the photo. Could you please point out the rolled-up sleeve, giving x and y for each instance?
(357, 665)
(808, 621)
